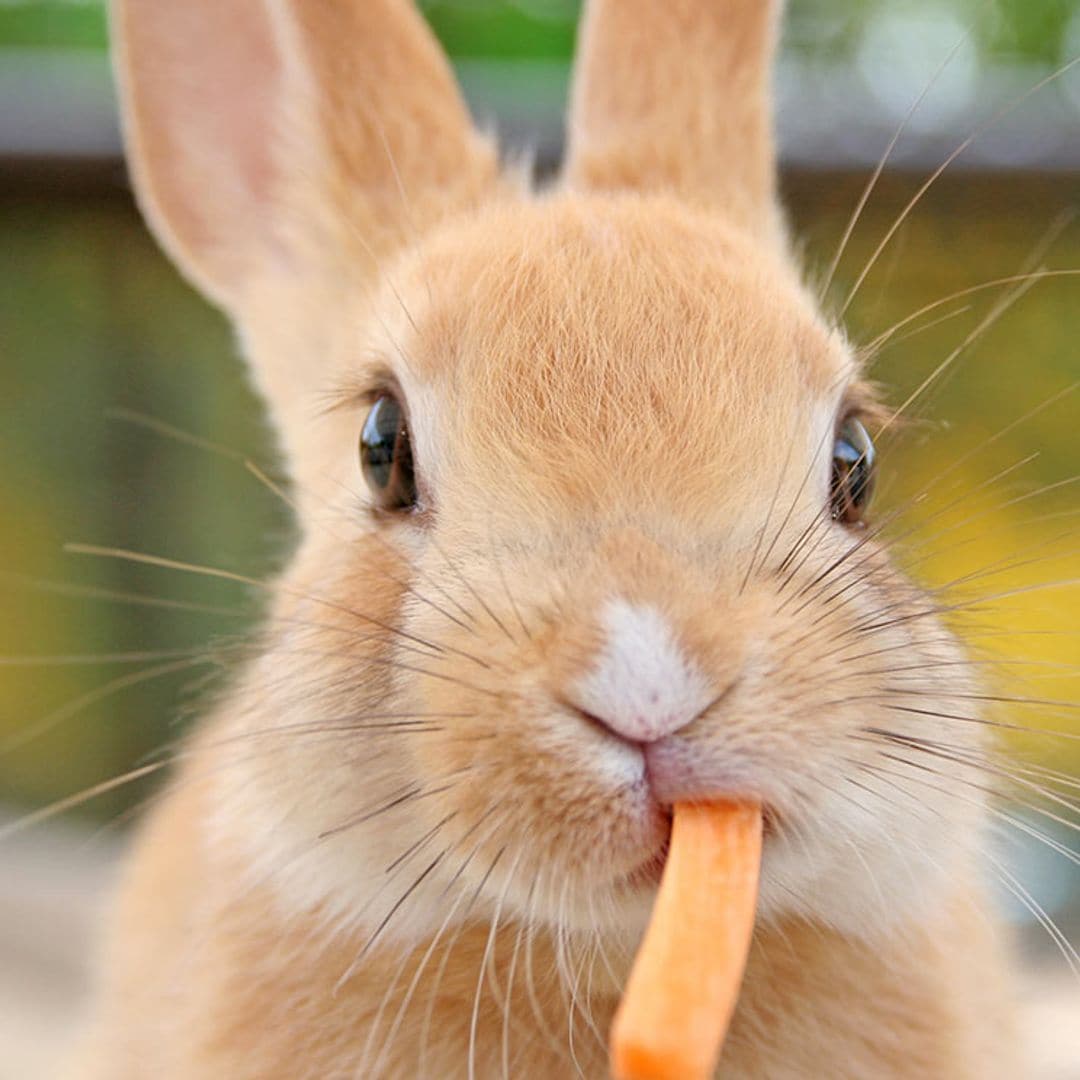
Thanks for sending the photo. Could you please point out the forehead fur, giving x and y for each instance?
(584, 344)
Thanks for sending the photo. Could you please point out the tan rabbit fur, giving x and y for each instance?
(405, 846)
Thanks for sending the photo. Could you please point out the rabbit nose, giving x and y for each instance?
(643, 685)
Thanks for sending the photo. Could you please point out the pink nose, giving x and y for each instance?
(642, 684)
(642, 726)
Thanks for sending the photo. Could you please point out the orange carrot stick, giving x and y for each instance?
(685, 980)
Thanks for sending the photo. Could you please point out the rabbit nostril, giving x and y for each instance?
(642, 683)
(609, 728)
(642, 727)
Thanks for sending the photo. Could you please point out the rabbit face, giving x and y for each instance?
(623, 583)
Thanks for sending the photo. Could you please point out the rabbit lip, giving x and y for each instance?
(679, 772)
(647, 874)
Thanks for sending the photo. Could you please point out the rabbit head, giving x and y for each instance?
(581, 476)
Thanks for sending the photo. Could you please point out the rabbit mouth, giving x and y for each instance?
(677, 770)
(647, 874)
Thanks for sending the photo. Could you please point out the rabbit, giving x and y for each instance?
(583, 479)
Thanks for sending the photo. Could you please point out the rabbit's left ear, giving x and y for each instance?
(262, 129)
(674, 95)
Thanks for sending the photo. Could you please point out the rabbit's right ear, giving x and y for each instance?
(256, 126)
(674, 95)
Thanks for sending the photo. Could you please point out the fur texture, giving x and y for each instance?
(405, 846)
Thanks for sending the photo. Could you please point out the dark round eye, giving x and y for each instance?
(386, 455)
(852, 472)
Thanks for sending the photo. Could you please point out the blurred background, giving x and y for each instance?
(127, 417)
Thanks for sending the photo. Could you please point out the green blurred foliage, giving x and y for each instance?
(66, 24)
(1033, 30)
(95, 321)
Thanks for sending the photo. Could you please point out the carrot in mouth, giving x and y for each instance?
(685, 980)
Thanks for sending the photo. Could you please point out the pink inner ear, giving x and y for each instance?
(675, 96)
(241, 84)
(199, 82)
(229, 102)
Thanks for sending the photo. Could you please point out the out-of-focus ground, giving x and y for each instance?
(54, 886)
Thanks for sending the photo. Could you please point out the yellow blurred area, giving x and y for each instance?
(981, 471)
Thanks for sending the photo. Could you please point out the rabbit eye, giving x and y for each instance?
(386, 455)
(852, 472)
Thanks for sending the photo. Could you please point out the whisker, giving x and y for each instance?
(1036, 834)
(474, 1020)
(106, 659)
(915, 331)
(969, 760)
(960, 149)
(995, 313)
(429, 1012)
(51, 720)
(504, 1042)
(421, 842)
(395, 908)
(885, 337)
(984, 721)
(60, 806)
(91, 592)
(242, 579)
(414, 983)
(1045, 921)
(412, 794)
(273, 620)
(1064, 945)
(169, 431)
(453, 566)
(398, 665)
(871, 184)
(768, 518)
(506, 587)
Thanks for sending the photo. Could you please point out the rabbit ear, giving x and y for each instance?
(674, 95)
(251, 125)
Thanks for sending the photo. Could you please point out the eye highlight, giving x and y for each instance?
(852, 472)
(386, 455)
